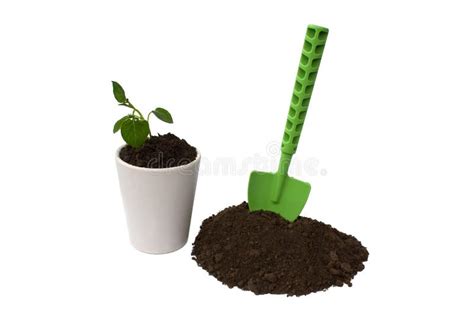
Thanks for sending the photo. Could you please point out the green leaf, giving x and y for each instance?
(119, 93)
(135, 131)
(163, 115)
(118, 124)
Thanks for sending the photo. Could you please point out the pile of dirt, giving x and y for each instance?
(162, 151)
(263, 253)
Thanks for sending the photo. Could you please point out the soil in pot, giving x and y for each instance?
(162, 151)
(263, 253)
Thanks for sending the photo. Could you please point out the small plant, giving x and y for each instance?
(135, 129)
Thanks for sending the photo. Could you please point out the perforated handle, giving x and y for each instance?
(313, 48)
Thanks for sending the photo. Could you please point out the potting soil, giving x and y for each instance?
(263, 253)
(162, 151)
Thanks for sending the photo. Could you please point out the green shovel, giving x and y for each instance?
(278, 192)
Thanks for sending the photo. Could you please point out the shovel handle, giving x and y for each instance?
(313, 48)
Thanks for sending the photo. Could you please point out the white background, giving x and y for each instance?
(390, 124)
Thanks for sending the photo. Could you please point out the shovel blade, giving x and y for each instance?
(293, 197)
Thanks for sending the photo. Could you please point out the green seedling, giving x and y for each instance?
(135, 129)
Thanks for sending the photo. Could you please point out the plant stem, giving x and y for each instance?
(136, 110)
(148, 120)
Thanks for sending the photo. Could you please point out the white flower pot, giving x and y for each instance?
(158, 204)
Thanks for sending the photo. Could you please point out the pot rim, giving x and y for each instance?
(155, 170)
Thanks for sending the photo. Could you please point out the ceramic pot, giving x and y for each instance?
(158, 204)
